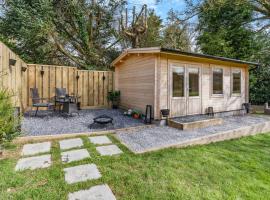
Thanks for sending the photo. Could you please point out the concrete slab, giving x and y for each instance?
(32, 149)
(81, 173)
(109, 150)
(70, 143)
(74, 155)
(32, 163)
(99, 192)
(100, 140)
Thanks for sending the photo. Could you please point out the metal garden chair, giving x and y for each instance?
(38, 102)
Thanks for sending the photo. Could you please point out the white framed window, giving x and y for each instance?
(217, 81)
(236, 81)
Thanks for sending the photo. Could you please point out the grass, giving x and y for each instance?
(237, 169)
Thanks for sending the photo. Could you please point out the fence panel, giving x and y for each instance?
(91, 86)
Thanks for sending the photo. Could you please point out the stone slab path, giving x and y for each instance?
(32, 163)
(100, 140)
(99, 192)
(37, 148)
(109, 150)
(74, 155)
(70, 143)
(81, 173)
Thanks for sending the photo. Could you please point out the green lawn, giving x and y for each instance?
(238, 169)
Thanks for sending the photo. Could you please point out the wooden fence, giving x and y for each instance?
(91, 86)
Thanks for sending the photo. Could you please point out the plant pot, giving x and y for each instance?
(115, 106)
(136, 116)
(165, 112)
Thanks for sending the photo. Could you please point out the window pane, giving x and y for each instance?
(193, 81)
(237, 82)
(217, 81)
(178, 82)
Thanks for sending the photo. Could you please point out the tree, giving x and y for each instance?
(224, 30)
(152, 37)
(71, 31)
(133, 32)
(262, 13)
(176, 32)
(259, 77)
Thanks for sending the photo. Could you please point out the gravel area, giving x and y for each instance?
(142, 140)
(50, 123)
(192, 118)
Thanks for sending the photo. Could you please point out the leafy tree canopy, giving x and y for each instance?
(224, 30)
(74, 32)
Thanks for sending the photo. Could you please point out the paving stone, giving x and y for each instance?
(109, 150)
(74, 155)
(32, 149)
(32, 163)
(70, 143)
(81, 173)
(100, 140)
(99, 192)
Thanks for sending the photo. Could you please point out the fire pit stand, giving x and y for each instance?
(102, 120)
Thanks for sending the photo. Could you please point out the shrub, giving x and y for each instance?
(9, 123)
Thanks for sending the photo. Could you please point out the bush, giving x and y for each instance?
(9, 123)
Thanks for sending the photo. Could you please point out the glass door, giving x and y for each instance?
(193, 93)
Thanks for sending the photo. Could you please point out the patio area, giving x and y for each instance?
(53, 123)
(151, 139)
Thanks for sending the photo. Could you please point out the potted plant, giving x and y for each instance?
(114, 98)
(136, 114)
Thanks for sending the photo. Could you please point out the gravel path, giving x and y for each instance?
(145, 139)
(49, 123)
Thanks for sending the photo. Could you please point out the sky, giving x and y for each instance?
(161, 8)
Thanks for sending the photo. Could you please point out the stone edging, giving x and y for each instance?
(25, 139)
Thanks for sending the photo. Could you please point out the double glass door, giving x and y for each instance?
(185, 90)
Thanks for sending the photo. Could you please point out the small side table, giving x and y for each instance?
(70, 108)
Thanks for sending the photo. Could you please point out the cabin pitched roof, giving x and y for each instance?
(178, 52)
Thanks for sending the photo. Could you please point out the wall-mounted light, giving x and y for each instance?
(12, 62)
(103, 78)
(42, 72)
(23, 68)
(77, 77)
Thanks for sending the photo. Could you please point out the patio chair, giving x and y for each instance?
(38, 102)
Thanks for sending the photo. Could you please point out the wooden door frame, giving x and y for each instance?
(186, 97)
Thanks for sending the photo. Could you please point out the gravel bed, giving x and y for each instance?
(192, 118)
(50, 123)
(148, 138)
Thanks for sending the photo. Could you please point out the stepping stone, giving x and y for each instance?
(100, 140)
(74, 155)
(32, 163)
(99, 192)
(81, 173)
(109, 150)
(71, 143)
(32, 149)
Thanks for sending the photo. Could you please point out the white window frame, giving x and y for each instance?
(212, 81)
(232, 71)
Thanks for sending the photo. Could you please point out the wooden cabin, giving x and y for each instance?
(185, 83)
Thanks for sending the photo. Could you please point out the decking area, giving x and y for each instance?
(151, 139)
